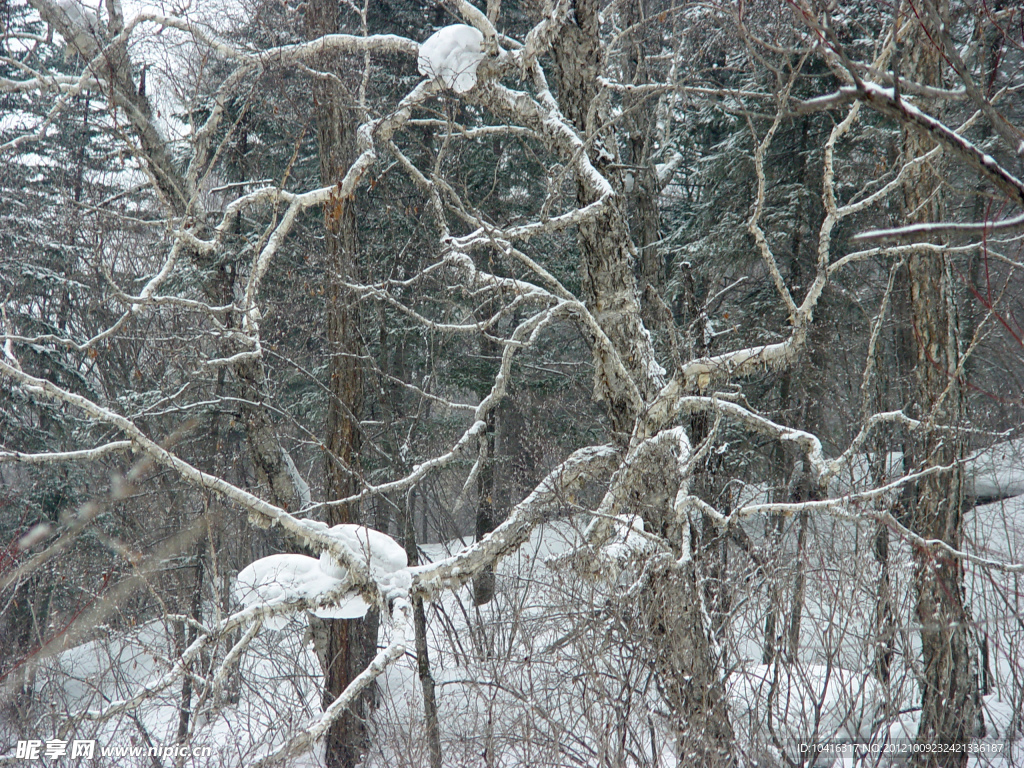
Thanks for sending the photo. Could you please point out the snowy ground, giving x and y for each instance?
(549, 673)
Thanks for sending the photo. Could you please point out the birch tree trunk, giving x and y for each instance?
(673, 613)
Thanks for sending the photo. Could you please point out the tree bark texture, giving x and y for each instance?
(484, 582)
(350, 644)
(671, 609)
(673, 614)
(644, 39)
(948, 700)
(606, 250)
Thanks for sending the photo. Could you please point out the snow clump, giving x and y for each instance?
(281, 579)
(452, 54)
(378, 551)
(629, 539)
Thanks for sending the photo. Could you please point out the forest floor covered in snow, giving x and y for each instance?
(547, 674)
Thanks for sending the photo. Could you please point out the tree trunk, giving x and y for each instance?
(686, 664)
(422, 656)
(640, 176)
(609, 284)
(948, 704)
(350, 644)
(879, 469)
(799, 588)
(189, 636)
(483, 582)
(685, 656)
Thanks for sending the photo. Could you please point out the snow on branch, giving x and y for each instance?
(585, 464)
(643, 456)
(452, 54)
(85, 454)
(883, 100)
(940, 228)
(80, 26)
(852, 506)
(310, 532)
(289, 578)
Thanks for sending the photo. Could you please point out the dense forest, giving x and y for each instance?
(544, 382)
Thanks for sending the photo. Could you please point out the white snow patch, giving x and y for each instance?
(381, 554)
(453, 54)
(998, 472)
(284, 578)
(629, 538)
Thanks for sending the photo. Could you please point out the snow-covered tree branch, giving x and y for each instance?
(374, 365)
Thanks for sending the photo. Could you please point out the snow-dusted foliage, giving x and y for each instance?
(452, 54)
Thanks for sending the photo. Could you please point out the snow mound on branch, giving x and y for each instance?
(629, 539)
(381, 554)
(453, 54)
(281, 579)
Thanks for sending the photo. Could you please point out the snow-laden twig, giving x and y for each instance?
(754, 223)
(857, 506)
(180, 667)
(232, 656)
(937, 229)
(51, 457)
(302, 529)
(883, 100)
(366, 134)
(588, 463)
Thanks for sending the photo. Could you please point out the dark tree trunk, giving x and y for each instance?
(885, 620)
(640, 177)
(483, 582)
(948, 700)
(189, 636)
(879, 468)
(350, 644)
(422, 656)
